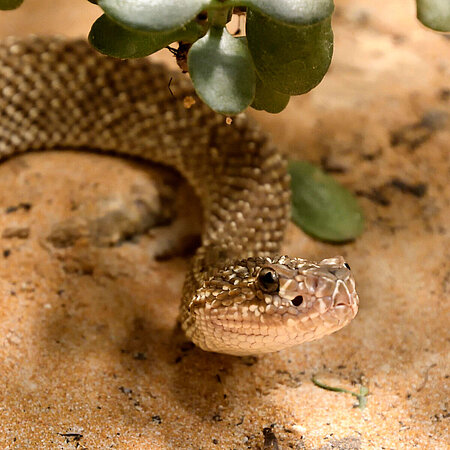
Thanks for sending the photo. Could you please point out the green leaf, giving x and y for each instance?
(291, 60)
(10, 4)
(266, 99)
(152, 15)
(159, 15)
(299, 12)
(434, 14)
(111, 39)
(321, 206)
(222, 71)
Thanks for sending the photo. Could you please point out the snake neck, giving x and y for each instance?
(58, 94)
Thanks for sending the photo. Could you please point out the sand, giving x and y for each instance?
(89, 353)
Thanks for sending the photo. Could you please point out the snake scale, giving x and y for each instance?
(240, 297)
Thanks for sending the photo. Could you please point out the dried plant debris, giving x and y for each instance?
(72, 437)
(270, 440)
(21, 206)
(416, 189)
(381, 195)
(414, 135)
(16, 232)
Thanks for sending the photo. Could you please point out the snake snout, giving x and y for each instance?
(340, 285)
(345, 299)
(341, 295)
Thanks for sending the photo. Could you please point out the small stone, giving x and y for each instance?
(299, 429)
(125, 390)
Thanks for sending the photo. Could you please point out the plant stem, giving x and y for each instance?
(219, 17)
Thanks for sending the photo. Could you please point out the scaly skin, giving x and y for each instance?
(239, 297)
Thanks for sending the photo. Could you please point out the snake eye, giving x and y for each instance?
(268, 280)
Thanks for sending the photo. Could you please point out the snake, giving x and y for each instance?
(240, 295)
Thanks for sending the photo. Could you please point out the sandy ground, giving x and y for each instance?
(89, 357)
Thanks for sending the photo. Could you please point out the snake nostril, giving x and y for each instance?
(347, 265)
(297, 301)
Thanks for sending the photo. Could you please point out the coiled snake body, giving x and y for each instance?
(238, 297)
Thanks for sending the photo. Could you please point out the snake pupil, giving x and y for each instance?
(268, 280)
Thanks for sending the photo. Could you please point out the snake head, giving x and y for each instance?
(261, 305)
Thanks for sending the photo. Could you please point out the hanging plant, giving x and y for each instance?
(287, 50)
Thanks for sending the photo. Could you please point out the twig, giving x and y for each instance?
(425, 377)
(361, 396)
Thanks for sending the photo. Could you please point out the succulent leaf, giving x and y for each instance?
(152, 15)
(111, 39)
(298, 12)
(434, 14)
(266, 99)
(321, 206)
(289, 59)
(10, 4)
(222, 71)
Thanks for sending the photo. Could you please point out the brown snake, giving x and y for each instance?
(239, 297)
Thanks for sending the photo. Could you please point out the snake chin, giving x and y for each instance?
(262, 305)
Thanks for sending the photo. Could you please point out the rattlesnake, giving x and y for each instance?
(239, 297)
